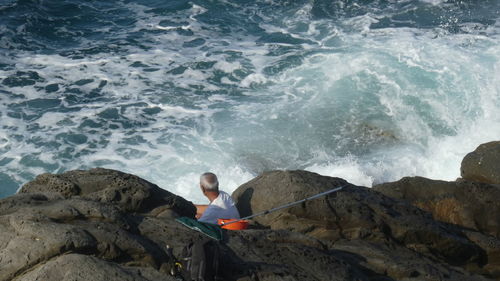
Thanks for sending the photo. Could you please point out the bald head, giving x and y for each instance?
(209, 182)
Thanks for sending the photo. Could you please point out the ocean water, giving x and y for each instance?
(369, 91)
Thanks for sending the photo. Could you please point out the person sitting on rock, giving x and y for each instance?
(221, 204)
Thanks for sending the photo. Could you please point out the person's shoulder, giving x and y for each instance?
(226, 198)
(225, 194)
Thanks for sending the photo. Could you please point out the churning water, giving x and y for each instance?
(369, 91)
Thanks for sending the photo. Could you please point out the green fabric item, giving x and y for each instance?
(211, 230)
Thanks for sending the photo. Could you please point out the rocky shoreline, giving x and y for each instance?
(107, 225)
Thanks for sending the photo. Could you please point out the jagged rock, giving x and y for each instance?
(483, 164)
(470, 204)
(357, 213)
(80, 267)
(107, 225)
(491, 246)
(396, 261)
(53, 235)
(130, 192)
(67, 240)
(279, 187)
(90, 217)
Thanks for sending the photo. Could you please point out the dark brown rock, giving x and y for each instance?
(130, 192)
(273, 189)
(53, 235)
(50, 233)
(491, 246)
(356, 213)
(74, 239)
(483, 164)
(79, 267)
(469, 204)
(398, 262)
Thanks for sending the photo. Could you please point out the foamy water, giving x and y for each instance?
(366, 92)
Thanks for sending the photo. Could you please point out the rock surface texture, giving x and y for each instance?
(107, 225)
(471, 205)
(483, 164)
(380, 234)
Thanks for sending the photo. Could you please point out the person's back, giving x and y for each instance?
(222, 207)
(221, 204)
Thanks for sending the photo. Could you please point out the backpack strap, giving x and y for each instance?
(198, 261)
(216, 250)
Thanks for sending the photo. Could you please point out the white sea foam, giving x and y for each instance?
(227, 67)
(253, 79)
(346, 169)
(434, 138)
(434, 2)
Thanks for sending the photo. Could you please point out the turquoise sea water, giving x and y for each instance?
(369, 91)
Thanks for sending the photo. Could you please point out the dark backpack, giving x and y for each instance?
(201, 261)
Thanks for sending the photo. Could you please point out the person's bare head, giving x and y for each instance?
(209, 182)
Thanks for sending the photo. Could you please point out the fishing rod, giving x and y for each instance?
(285, 206)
